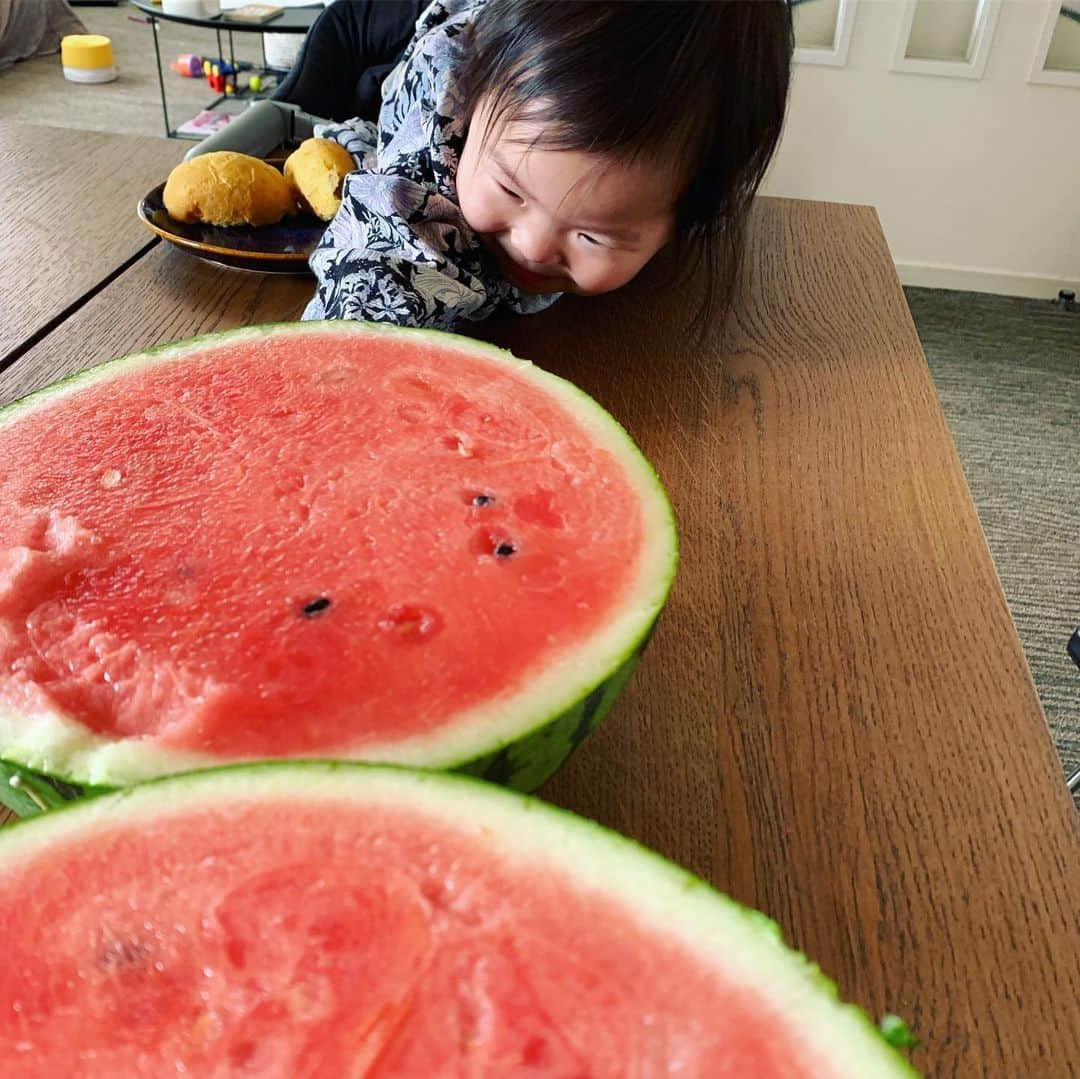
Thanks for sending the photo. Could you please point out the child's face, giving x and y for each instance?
(561, 220)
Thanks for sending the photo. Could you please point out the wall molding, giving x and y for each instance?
(974, 67)
(837, 54)
(971, 279)
(1040, 73)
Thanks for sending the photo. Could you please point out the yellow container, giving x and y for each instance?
(87, 58)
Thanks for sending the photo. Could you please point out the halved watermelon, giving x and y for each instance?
(322, 540)
(336, 919)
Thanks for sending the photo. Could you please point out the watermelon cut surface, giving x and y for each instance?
(321, 540)
(304, 918)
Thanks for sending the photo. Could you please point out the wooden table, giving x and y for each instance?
(69, 224)
(834, 722)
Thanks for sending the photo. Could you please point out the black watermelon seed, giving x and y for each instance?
(505, 550)
(316, 606)
(483, 500)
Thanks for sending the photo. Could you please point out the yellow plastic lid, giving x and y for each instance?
(86, 51)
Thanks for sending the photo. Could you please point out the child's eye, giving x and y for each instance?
(513, 194)
(589, 239)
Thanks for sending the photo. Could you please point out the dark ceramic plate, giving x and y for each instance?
(280, 248)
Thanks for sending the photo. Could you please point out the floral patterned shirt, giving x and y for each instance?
(399, 249)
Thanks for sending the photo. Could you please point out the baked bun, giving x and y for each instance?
(315, 171)
(227, 188)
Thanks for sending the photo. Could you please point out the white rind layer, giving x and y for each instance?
(521, 832)
(59, 746)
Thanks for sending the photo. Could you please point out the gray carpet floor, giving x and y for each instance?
(1008, 373)
(1007, 370)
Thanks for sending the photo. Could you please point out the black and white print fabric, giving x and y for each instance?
(399, 249)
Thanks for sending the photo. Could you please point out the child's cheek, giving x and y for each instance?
(603, 278)
(477, 210)
(593, 275)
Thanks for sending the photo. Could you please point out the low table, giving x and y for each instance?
(290, 21)
(834, 721)
(69, 228)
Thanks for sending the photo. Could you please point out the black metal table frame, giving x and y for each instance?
(299, 24)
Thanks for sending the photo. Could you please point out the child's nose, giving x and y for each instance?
(536, 242)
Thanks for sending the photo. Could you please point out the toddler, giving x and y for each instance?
(527, 148)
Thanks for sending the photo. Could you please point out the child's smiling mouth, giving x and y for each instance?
(524, 278)
(531, 281)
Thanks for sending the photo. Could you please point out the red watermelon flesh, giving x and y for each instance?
(302, 542)
(300, 921)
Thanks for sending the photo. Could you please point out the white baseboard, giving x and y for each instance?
(966, 279)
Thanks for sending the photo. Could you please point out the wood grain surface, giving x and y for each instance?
(69, 216)
(167, 295)
(834, 721)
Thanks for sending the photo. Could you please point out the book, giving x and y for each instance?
(253, 13)
(205, 123)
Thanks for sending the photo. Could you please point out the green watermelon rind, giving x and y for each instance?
(663, 895)
(558, 714)
(530, 761)
(524, 764)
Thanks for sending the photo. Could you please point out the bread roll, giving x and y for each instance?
(227, 188)
(315, 171)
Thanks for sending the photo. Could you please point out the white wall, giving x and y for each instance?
(976, 182)
(1064, 49)
(941, 29)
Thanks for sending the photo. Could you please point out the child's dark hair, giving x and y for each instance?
(703, 85)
